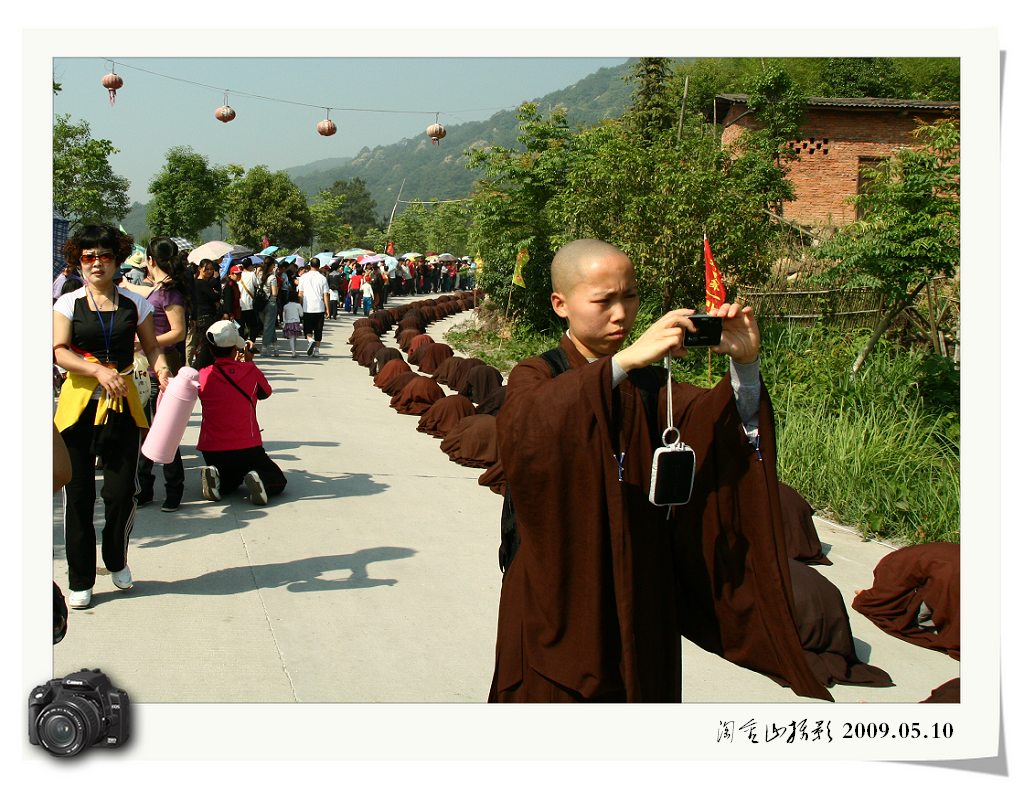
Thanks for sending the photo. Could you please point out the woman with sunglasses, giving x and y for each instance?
(99, 414)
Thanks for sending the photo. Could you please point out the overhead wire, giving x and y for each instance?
(279, 100)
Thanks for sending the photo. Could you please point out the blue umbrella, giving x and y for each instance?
(269, 250)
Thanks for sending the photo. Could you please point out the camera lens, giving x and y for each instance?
(59, 730)
(69, 726)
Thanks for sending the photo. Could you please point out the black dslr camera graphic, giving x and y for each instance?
(68, 715)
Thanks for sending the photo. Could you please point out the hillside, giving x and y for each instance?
(439, 172)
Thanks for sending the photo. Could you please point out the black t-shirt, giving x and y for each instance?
(206, 300)
(110, 336)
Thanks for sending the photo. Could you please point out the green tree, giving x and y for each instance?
(188, 195)
(329, 229)
(854, 77)
(653, 107)
(85, 188)
(264, 202)
(509, 210)
(359, 210)
(760, 156)
(910, 231)
(655, 200)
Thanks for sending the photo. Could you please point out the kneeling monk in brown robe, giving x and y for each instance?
(602, 586)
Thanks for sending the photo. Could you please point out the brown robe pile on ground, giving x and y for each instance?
(472, 442)
(494, 478)
(382, 357)
(480, 382)
(493, 402)
(824, 628)
(417, 346)
(390, 371)
(399, 382)
(366, 353)
(916, 596)
(447, 368)
(443, 415)
(457, 377)
(406, 336)
(593, 603)
(432, 356)
(416, 397)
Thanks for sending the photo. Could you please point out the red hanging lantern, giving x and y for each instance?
(224, 113)
(112, 83)
(436, 131)
(326, 127)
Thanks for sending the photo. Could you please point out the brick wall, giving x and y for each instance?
(832, 146)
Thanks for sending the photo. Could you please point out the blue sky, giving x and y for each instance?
(171, 101)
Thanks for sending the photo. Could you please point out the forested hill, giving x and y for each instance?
(438, 172)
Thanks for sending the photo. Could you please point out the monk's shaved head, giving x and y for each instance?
(567, 268)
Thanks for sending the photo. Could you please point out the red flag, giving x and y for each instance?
(390, 248)
(714, 290)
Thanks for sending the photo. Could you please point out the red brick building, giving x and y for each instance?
(839, 137)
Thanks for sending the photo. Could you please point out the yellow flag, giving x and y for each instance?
(521, 260)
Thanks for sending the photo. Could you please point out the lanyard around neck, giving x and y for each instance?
(106, 330)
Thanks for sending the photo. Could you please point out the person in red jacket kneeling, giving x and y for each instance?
(229, 435)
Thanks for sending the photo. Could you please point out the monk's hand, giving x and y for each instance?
(662, 338)
(741, 338)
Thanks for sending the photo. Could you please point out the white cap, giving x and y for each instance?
(224, 334)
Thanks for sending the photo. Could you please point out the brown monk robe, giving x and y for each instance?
(443, 415)
(390, 371)
(367, 352)
(406, 336)
(593, 609)
(399, 382)
(824, 628)
(494, 478)
(480, 382)
(493, 402)
(916, 596)
(432, 356)
(447, 367)
(382, 357)
(801, 536)
(457, 377)
(417, 346)
(472, 442)
(416, 397)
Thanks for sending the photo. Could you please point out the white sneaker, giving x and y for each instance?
(316, 351)
(122, 578)
(210, 477)
(82, 599)
(257, 493)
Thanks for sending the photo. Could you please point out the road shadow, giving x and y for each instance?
(301, 575)
(198, 518)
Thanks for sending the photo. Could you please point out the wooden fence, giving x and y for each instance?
(849, 308)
